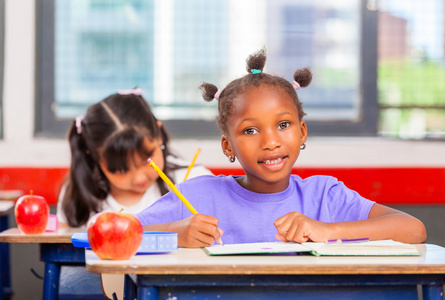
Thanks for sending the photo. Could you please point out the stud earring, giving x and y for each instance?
(232, 159)
(302, 147)
(162, 147)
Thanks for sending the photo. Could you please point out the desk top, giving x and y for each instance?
(10, 195)
(13, 235)
(195, 262)
(6, 206)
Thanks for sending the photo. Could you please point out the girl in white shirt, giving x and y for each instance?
(110, 146)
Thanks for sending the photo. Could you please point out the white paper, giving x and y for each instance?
(371, 248)
(251, 248)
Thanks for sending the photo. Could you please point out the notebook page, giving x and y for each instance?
(371, 248)
(255, 248)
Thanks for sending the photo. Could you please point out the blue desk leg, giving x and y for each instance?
(55, 256)
(148, 293)
(5, 281)
(51, 282)
(129, 288)
(433, 292)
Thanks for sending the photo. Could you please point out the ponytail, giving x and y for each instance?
(87, 185)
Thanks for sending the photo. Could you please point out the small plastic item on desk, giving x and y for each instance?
(53, 223)
(152, 242)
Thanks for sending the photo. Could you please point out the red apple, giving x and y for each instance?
(31, 214)
(114, 235)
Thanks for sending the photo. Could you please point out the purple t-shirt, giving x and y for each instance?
(247, 217)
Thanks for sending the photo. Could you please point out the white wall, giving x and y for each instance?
(20, 148)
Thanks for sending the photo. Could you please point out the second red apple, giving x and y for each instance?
(114, 235)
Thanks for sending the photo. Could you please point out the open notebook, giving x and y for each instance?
(371, 248)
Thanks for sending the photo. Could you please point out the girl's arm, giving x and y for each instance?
(195, 231)
(383, 223)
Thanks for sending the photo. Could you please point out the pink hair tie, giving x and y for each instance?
(296, 85)
(79, 120)
(217, 94)
(136, 92)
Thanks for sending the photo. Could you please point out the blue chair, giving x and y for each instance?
(77, 283)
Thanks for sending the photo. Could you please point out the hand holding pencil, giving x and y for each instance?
(175, 190)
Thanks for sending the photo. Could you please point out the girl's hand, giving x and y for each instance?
(296, 227)
(197, 231)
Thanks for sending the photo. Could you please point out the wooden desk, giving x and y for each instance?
(6, 207)
(56, 250)
(190, 273)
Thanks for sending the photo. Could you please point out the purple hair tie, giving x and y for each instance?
(136, 92)
(217, 94)
(296, 85)
(79, 120)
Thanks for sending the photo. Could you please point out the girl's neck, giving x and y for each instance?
(126, 198)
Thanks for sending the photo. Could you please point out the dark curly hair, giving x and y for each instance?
(114, 129)
(239, 86)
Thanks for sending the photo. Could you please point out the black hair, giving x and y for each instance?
(113, 129)
(254, 78)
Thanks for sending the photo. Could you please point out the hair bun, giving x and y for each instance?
(257, 60)
(208, 91)
(303, 76)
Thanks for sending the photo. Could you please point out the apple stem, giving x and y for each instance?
(121, 210)
(30, 192)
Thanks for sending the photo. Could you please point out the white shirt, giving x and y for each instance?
(150, 196)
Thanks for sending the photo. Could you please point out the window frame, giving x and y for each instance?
(48, 125)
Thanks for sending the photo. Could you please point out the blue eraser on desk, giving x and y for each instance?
(152, 242)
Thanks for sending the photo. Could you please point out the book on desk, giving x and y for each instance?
(369, 248)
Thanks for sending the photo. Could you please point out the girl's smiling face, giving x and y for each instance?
(265, 135)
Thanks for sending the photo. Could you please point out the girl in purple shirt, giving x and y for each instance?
(261, 119)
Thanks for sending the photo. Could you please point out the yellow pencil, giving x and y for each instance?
(192, 164)
(175, 189)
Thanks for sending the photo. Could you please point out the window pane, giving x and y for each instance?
(411, 69)
(101, 46)
(325, 36)
(168, 47)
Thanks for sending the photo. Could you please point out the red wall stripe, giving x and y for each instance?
(42, 181)
(408, 185)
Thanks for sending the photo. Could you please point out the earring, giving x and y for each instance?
(302, 147)
(232, 159)
(162, 147)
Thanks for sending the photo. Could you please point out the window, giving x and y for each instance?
(90, 48)
(2, 32)
(411, 69)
